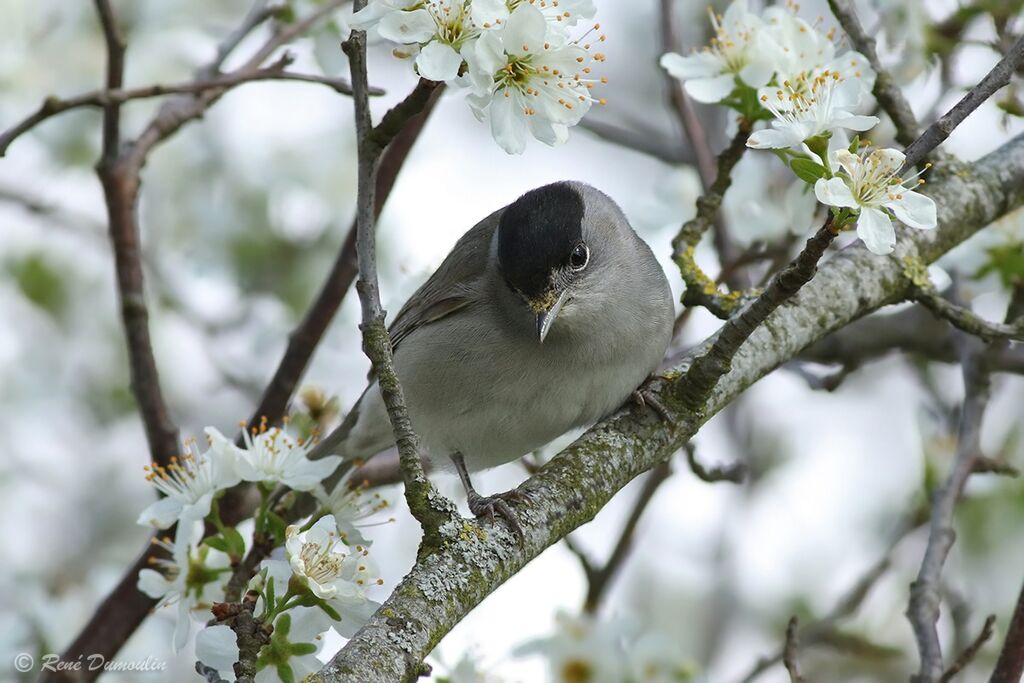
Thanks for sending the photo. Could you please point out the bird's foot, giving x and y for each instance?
(487, 507)
(645, 398)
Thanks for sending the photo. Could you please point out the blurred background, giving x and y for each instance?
(242, 214)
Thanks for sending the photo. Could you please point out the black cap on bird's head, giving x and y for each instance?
(541, 249)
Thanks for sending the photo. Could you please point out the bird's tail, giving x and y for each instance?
(363, 433)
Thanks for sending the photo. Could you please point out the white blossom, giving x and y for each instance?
(870, 183)
(581, 649)
(741, 48)
(527, 80)
(350, 505)
(190, 481)
(184, 579)
(808, 106)
(273, 455)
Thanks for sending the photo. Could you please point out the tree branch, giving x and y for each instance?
(972, 650)
(598, 580)
(791, 651)
(936, 133)
(1010, 665)
(426, 504)
(886, 91)
(965, 319)
(923, 610)
(446, 584)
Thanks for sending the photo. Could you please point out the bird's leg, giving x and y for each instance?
(486, 506)
(644, 398)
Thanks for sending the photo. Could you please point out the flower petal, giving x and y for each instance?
(438, 62)
(775, 138)
(834, 192)
(875, 228)
(711, 90)
(407, 27)
(757, 73)
(697, 65)
(914, 210)
(217, 647)
(161, 514)
(308, 473)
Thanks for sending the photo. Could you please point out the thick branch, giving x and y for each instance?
(567, 492)
(886, 91)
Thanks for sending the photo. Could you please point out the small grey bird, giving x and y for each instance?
(547, 315)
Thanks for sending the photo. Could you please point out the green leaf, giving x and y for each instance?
(286, 674)
(299, 649)
(854, 144)
(330, 611)
(1007, 261)
(276, 525)
(217, 543)
(41, 283)
(807, 170)
(235, 542)
(268, 595)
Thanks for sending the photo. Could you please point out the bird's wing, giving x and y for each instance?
(452, 285)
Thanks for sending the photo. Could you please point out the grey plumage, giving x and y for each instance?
(477, 379)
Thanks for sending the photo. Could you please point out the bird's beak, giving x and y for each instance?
(546, 316)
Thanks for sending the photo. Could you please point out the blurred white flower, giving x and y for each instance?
(184, 580)
(348, 505)
(808, 106)
(189, 482)
(741, 48)
(763, 205)
(217, 648)
(272, 455)
(581, 649)
(870, 184)
(527, 78)
(656, 658)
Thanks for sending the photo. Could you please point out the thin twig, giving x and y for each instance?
(52, 106)
(599, 580)
(923, 610)
(646, 142)
(708, 368)
(971, 651)
(885, 90)
(734, 472)
(700, 289)
(936, 133)
(1010, 665)
(791, 651)
(964, 318)
(376, 343)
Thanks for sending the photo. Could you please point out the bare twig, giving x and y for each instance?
(120, 188)
(709, 367)
(791, 651)
(734, 472)
(598, 580)
(307, 335)
(965, 319)
(1010, 665)
(936, 133)
(885, 90)
(646, 142)
(923, 610)
(700, 289)
(376, 344)
(52, 106)
(971, 651)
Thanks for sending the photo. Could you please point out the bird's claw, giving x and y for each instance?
(645, 399)
(486, 507)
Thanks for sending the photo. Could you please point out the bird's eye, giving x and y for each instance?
(579, 257)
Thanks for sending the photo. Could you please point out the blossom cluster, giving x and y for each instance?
(518, 61)
(777, 67)
(320, 584)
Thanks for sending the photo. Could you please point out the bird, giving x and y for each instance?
(546, 316)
